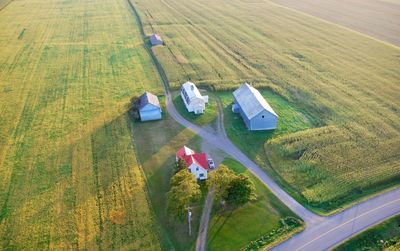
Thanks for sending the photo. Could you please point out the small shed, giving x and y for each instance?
(192, 98)
(257, 114)
(149, 107)
(156, 40)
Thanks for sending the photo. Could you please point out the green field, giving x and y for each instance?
(344, 83)
(156, 143)
(233, 230)
(385, 236)
(69, 174)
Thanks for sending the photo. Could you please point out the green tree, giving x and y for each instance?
(180, 165)
(183, 193)
(240, 191)
(220, 179)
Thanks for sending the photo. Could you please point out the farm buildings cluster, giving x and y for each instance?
(255, 111)
(257, 114)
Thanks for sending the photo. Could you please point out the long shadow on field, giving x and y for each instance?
(91, 189)
(218, 224)
(156, 143)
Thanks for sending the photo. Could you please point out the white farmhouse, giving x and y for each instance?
(196, 162)
(192, 98)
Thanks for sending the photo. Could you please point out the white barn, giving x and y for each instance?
(192, 98)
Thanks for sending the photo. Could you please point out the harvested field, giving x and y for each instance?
(345, 83)
(70, 179)
(376, 18)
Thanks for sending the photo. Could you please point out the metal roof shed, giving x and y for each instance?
(254, 109)
(156, 40)
(149, 107)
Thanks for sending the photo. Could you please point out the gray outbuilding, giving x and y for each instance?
(149, 107)
(257, 114)
(156, 40)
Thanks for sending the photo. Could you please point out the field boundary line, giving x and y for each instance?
(6, 5)
(333, 23)
(154, 60)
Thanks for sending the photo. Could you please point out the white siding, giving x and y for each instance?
(199, 172)
(192, 98)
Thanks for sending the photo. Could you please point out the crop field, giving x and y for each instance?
(156, 143)
(346, 83)
(384, 236)
(376, 18)
(70, 178)
(234, 230)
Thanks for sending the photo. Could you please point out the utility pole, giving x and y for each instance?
(190, 221)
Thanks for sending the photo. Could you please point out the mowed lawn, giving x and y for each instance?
(208, 117)
(233, 230)
(345, 83)
(291, 120)
(156, 143)
(69, 174)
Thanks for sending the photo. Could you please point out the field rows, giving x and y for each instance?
(69, 175)
(365, 16)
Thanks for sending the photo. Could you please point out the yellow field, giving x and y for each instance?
(347, 84)
(69, 175)
(3, 3)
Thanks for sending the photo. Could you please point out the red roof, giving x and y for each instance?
(190, 157)
(184, 151)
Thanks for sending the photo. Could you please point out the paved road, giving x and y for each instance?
(338, 228)
(321, 233)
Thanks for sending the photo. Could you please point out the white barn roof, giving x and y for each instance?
(192, 91)
(251, 101)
